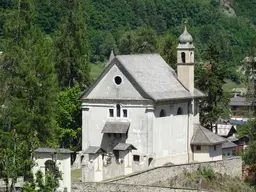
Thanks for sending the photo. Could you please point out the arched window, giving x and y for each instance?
(49, 165)
(118, 110)
(162, 113)
(191, 57)
(150, 161)
(183, 57)
(179, 111)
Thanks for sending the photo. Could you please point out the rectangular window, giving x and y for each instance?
(198, 148)
(136, 158)
(111, 112)
(124, 112)
(215, 147)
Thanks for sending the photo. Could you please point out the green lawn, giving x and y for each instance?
(229, 86)
(96, 69)
(76, 175)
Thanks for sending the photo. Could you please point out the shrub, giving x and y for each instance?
(207, 173)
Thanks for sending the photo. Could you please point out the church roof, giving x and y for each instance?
(151, 75)
(116, 127)
(155, 77)
(93, 150)
(53, 150)
(123, 147)
(203, 136)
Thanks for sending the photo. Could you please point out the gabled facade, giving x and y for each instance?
(139, 100)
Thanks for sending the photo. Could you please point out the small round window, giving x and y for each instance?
(118, 80)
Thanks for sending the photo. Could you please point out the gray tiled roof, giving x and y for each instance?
(123, 147)
(239, 101)
(53, 150)
(155, 76)
(203, 136)
(233, 139)
(228, 144)
(93, 150)
(116, 127)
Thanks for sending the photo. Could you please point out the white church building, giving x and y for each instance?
(140, 114)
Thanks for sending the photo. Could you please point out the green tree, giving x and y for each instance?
(72, 49)
(145, 40)
(49, 14)
(15, 158)
(69, 118)
(32, 86)
(250, 73)
(47, 182)
(141, 40)
(167, 45)
(210, 78)
(126, 42)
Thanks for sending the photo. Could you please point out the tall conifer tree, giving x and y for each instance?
(31, 85)
(27, 107)
(210, 78)
(71, 48)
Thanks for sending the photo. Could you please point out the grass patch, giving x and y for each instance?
(206, 179)
(230, 85)
(96, 70)
(76, 175)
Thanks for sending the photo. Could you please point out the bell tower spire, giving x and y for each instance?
(185, 60)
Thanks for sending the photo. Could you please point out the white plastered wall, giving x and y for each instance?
(171, 134)
(98, 115)
(108, 89)
(207, 153)
(63, 162)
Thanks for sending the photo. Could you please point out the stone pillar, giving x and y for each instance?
(98, 168)
(85, 168)
(128, 162)
(85, 129)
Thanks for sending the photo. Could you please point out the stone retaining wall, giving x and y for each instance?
(142, 181)
(114, 187)
(231, 167)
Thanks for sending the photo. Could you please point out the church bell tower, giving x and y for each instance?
(185, 60)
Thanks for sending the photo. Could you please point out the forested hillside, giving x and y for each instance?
(108, 21)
